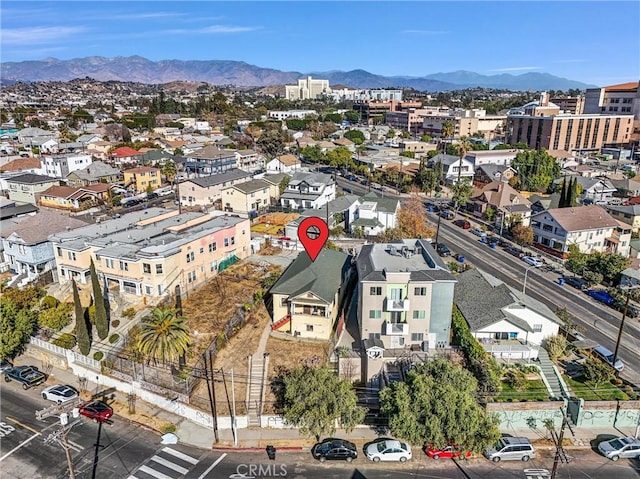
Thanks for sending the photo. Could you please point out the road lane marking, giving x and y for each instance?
(154, 473)
(203, 475)
(170, 465)
(180, 455)
(19, 446)
(9, 418)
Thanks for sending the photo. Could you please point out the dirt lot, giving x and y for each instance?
(285, 353)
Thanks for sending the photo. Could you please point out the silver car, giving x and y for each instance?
(625, 447)
(59, 393)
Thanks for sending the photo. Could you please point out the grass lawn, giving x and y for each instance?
(535, 390)
(584, 390)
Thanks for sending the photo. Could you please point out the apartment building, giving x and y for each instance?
(307, 89)
(590, 228)
(286, 114)
(97, 172)
(28, 187)
(571, 104)
(150, 252)
(308, 190)
(465, 122)
(207, 190)
(249, 197)
(143, 177)
(371, 109)
(59, 166)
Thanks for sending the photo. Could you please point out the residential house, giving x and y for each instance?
(308, 190)
(123, 155)
(508, 204)
(508, 323)
(453, 167)
(283, 164)
(274, 181)
(626, 188)
(74, 199)
(630, 278)
(544, 202)
(249, 197)
(590, 228)
(338, 212)
(24, 165)
(491, 157)
(210, 160)
(26, 247)
(99, 150)
(404, 299)
(97, 172)
(249, 160)
(374, 214)
(32, 136)
(627, 214)
(88, 139)
(10, 209)
(143, 177)
(59, 166)
(485, 174)
(207, 190)
(26, 188)
(594, 190)
(150, 252)
(307, 299)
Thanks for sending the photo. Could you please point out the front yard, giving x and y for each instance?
(533, 390)
(585, 390)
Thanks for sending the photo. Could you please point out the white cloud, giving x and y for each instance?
(426, 32)
(576, 60)
(213, 29)
(514, 69)
(37, 35)
(142, 16)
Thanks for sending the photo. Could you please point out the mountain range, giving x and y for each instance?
(226, 72)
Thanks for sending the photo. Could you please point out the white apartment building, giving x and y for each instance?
(59, 166)
(286, 114)
(307, 89)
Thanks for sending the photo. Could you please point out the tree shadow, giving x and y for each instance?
(278, 388)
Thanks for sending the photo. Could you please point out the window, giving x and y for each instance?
(396, 293)
(375, 291)
(59, 250)
(146, 267)
(158, 269)
(420, 291)
(147, 289)
(212, 247)
(124, 266)
(201, 250)
(233, 240)
(191, 276)
(190, 257)
(421, 314)
(415, 337)
(108, 263)
(309, 328)
(226, 241)
(537, 328)
(71, 255)
(374, 335)
(283, 302)
(375, 314)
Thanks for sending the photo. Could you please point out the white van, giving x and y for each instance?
(511, 449)
(607, 356)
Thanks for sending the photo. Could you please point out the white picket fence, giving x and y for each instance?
(71, 356)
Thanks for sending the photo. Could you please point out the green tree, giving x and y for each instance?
(609, 265)
(82, 328)
(284, 182)
(102, 319)
(447, 131)
(428, 406)
(522, 235)
(490, 213)
(352, 116)
(572, 196)
(164, 336)
(313, 153)
(597, 372)
(55, 318)
(536, 170)
(555, 346)
(576, 261)
(516, 378)
(16, 327)
(355, 135)
(461, 192)
(296, 124)
(563, 194)
(315, 398)
(408, 154)
(425, 138)
(272, 142)
(339, 158)
(169, 169)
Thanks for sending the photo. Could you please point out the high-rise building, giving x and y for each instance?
(307, 89)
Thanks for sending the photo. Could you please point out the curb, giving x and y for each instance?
(254, 449)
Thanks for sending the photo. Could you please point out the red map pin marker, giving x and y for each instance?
(313, 233)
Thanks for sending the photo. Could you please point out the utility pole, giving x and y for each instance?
(561, 455)
(233, 411)
(624, 316)
(212, 394)
(60, 436)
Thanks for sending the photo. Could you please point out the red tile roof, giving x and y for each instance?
(20, 164)
(142, 169)
(124, 151)
(622, 86)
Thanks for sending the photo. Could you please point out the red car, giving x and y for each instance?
(96, 410)
(464, 224)
(449, 452)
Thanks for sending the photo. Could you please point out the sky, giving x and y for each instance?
(589, 41)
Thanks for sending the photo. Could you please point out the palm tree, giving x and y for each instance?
(463, 147)
(169, 170)
(448, 129)
(164, 336)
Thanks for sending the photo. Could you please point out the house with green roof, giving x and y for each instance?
(306, 301)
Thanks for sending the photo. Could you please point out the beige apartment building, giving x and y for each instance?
(250, 196)
(207, 190)
(150, 252)
(570, 104)
(307, 89)
(570, 132)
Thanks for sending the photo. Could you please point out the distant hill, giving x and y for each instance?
(226, 72)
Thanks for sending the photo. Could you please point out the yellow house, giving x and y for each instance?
(150, 252)
(305, 301)
(245, 197)
(143, 177)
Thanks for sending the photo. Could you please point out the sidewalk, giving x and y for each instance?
(258, 438)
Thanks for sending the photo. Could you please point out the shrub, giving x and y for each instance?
(115, 323)
(168, 428)
(92, 313)
(65, 340)
(49, 302)
(516, 379)
(57, 317)
(129, 313)
(114, 338)
(98, 355)
(555, 346)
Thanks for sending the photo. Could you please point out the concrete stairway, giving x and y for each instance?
(550, 374)
(258, 366)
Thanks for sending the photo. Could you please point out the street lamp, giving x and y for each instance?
(624, 316)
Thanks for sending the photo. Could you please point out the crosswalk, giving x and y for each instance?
(167, 463)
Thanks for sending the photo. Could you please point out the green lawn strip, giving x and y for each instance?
(605, 391)
(535, 390)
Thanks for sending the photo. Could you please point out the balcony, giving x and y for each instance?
(396, 329)
(396, 304)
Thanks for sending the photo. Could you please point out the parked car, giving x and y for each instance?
(4, 365)
(333, 449)
(96, 410)
(389, 450)
(464, 224)
(59, 393)
(449, 452)
(449, 215)
(632, 311)
(152, 196)
(512, 250)
(607, 356)
(578, 283)
(443, 250)
(601, 295)
(28, 376)
(511, 449)
(620, 447)
(535, 262)
(478, 232)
